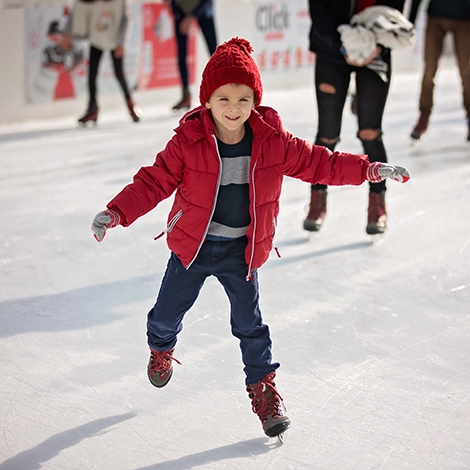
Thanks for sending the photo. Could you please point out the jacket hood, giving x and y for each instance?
(198, 124)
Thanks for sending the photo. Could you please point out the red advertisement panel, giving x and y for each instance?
(159, 58)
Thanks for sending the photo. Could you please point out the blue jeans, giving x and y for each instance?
(180, 288)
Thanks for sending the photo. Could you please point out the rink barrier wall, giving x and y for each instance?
(230, 17)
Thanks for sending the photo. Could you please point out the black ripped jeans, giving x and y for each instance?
(371, 96)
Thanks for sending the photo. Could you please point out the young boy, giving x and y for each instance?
(226, 163)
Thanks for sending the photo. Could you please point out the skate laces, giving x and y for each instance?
(265, 399)
(160, 361)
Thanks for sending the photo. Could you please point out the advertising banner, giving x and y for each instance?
(282, 35)
(52, 73)
(150, 59)
(159, 60)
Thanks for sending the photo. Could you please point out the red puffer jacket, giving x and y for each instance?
(190, 165)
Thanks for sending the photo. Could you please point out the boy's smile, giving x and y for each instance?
(231, 107)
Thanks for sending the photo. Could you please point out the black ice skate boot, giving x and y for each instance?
(268, 405)
(376, 214)
(421, 126)
(160, 367)
(185, 102)
(317, 210)
(134, 110)
(91, 114)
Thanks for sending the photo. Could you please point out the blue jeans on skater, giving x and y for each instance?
(180, 288)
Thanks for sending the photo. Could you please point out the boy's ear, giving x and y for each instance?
(207, 105)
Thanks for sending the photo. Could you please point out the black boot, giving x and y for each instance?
(134, 110)
(90, 115)
(185, 102)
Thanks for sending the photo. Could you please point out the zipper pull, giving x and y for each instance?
(160, 235)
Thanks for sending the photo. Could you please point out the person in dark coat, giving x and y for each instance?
(333, 72)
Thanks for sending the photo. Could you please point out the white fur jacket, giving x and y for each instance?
(376, 25)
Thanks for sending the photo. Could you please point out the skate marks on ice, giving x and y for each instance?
(54, 445)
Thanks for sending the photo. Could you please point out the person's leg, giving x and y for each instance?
(331, 88)
(118, 65)
(433, 43)
(461, 33)
(91, 114)
(372, 93)
(182, 44)
(179, 290)
(206, 23)
(434, 40)
(255, 342)
(93, 66)
(245, 314)
(182, 47)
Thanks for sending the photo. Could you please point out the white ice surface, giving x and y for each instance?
(373, 339)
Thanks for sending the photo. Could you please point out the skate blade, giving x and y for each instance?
(83, 125)
(278, 429)
(281, 438)
(179, 112)
(417, 142)
(312, 236)
(376, 238)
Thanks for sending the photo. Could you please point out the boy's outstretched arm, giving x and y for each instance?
(317, 164)
(104, 220)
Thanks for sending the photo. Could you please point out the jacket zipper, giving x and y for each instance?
(213, 206)
(250, 264)
(170, 224)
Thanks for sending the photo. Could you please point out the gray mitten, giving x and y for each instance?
(102, 221)
(378, 171)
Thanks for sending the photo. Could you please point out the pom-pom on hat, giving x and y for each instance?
(231, 63)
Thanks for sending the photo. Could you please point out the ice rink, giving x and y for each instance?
(373, 338)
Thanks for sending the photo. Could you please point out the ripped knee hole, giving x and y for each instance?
(327, 88)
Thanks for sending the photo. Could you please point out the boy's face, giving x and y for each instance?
(231, 107)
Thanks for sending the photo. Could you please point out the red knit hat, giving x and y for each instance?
(231, 63)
